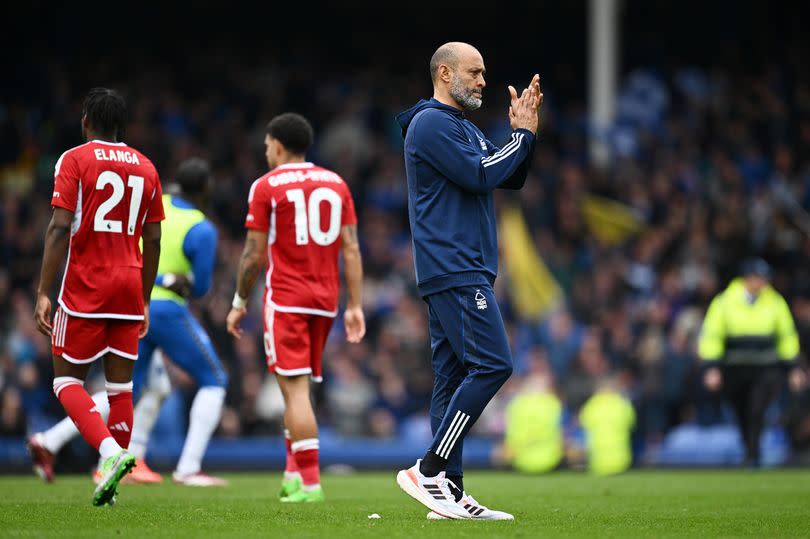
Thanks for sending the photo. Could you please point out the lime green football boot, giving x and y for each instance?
(305, 496)
(289, 487)
(112, 471)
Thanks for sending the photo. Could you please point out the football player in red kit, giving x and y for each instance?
(106, 197)
(301, 218)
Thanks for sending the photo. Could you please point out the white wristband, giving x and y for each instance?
(238, 301)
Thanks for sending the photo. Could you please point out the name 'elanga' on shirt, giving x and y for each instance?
(298, 176)
(123, 156)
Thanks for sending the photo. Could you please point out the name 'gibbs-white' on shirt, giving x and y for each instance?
(112, 190)
(302, 207)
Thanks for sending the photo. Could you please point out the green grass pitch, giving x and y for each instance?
(566, 504)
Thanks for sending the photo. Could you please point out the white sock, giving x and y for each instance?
(291, 475)
(55, 438)
(108, 447)
(143, 420)
(158, 387)
(203, 420)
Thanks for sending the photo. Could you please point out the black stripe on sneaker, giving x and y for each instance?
(480, 510)
(439, 497)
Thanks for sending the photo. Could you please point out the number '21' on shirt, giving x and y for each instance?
(112, 190)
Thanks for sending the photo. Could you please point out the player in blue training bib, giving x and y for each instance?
(188, 251)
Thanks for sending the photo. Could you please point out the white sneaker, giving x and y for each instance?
(199, 479)
(433, 492)
(476, 511)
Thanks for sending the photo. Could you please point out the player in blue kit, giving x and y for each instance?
(188, 252)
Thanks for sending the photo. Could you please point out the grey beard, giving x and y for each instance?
(464, 96)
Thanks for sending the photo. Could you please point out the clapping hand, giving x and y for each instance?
(524, 110)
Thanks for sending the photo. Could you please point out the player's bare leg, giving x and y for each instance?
(299, 418)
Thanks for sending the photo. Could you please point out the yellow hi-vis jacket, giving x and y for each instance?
(742, 332)
(608, 419)
(534, 437)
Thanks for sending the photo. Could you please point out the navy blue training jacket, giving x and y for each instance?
(452, 170)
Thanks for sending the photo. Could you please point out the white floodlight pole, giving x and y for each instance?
(603, 47)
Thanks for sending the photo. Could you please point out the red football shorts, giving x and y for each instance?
(294, 342)
(82, 340)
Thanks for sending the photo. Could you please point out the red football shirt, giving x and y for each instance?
(302, 207)
(112, 190)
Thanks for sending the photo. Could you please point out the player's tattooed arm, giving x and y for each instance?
(250, 265)
(348, 236)
(57, 238)
(252, 262)
(354, 320)
(352, 266)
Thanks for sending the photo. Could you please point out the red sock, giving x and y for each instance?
(120, 419)
(306, 457)
(81, 409)
(292, 466)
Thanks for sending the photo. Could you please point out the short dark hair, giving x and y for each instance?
(293, 131)
(106, 111)
(193, 175)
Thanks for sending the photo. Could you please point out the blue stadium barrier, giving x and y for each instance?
(268, 453)
(686, 446)
(716, 445)
(356, 453)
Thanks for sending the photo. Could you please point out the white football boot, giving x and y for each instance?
(198, 479)
(475, 510)
(433, 492)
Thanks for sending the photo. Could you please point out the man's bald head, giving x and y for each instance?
(457, 71)
(449, 54)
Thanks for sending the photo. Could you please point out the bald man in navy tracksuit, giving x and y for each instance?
(452, 170)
